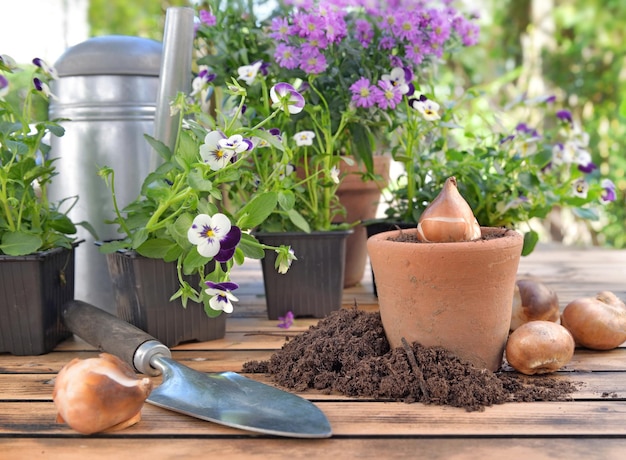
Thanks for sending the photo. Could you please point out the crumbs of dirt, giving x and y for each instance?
(347, 352)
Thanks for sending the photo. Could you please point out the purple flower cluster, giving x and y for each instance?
(319, 31)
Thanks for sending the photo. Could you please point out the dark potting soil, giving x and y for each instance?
(347, 352)
(405, 237)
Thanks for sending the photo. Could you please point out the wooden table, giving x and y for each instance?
(591, 426)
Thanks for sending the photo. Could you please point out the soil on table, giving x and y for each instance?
(347, 352)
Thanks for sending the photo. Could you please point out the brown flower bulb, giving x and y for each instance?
(99, 394)
(533, 300)
(598, 323)
(539, 347)
(448, 218)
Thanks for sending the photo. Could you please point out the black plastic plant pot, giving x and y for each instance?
(33, 290)
(376, 227)
(143, 288)
(313, 286)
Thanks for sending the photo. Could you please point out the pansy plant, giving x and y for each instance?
(181, 217)
(29, 221)
(512, 177)
(341, 69)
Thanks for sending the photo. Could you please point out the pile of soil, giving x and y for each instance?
(347, 352)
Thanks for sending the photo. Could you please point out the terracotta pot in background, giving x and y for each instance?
(455, 295)
(360, 200)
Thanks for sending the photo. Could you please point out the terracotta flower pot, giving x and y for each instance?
(455, 295)
(360, 199)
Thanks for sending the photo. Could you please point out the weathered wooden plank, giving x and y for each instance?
(99, 448)
(221, 360)
(593, 385)
(205, 360)
(357, 418)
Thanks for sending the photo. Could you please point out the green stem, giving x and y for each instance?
(116, 208)
(7, 208)
(411, 130)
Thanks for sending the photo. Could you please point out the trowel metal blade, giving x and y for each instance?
(233, 400)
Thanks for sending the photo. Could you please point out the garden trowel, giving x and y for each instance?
(226, 398)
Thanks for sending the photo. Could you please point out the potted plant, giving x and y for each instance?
(330, 53)
(515, 172)
(179, 239)
(448, 282)
(36, 235)
(519, 164)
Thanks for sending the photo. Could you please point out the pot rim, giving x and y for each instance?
(511, 238)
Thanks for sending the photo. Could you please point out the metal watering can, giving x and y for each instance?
(112, 90)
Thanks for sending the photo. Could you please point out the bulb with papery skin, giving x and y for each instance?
(99, 394)
(533, 301)
(448, 218)
(539, 347)
(598, 323)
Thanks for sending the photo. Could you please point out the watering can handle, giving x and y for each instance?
(113, 335)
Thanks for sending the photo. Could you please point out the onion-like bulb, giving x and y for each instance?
(533, 301)
(598, 323)
(448, 218)
(99, 394)
(539, 347)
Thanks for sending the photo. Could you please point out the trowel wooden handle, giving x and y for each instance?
(111, 334)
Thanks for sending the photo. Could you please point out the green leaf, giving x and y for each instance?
(160, 148)
(530, 241)
(20, 243)
(197, 182)
(286, 200)
(139, 238)
(239, 256)
(61, 223)
(296, 218)
(180, 228)
(110, 247)
(187, 153)
(251, 247)
(193, 261)
(173, 254)
(257, 210)
(210, 312)
(155, 248)
(586, 213)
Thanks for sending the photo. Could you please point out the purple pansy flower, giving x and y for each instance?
(609, 191)
(285, 322)
(43, 87)
(222, 295)
(48, 70)
(565, 115)
(287, 98)
(214, 236)
(428, 108)
(4, 86)
(218, 150)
